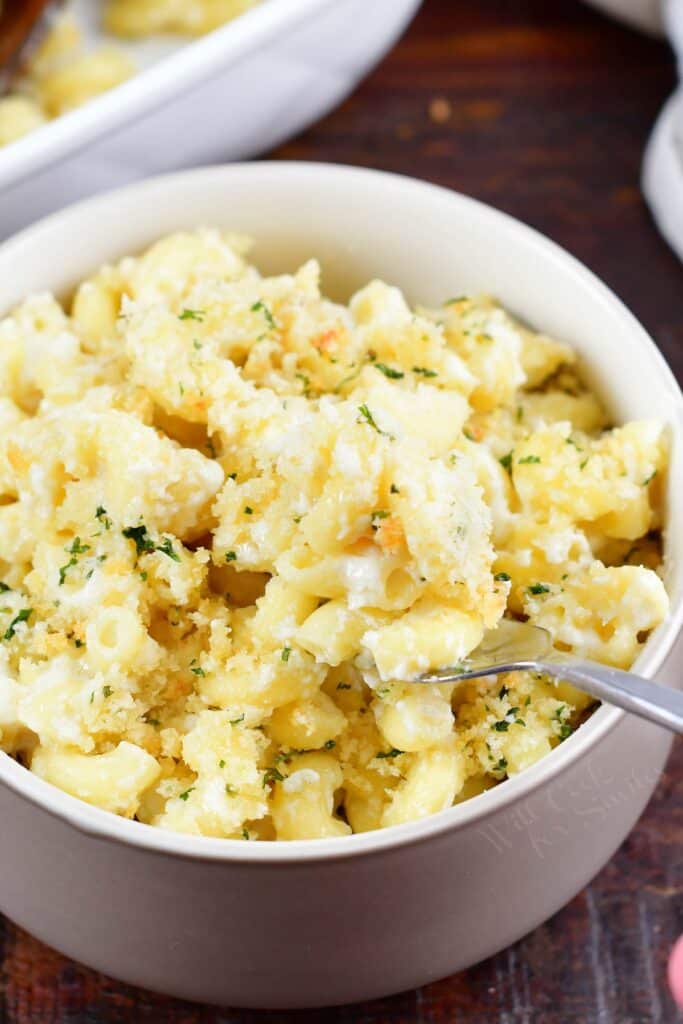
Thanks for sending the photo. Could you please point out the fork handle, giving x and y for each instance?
(657, 703)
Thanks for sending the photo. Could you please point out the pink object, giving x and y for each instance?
(676, 972)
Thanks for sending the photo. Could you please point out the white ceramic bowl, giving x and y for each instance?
(332, 921)
(230, 95)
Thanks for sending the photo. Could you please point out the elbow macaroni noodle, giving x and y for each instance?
(236, 519)
(62, 75)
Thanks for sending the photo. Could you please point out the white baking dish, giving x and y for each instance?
(330, 921)
(234, 93)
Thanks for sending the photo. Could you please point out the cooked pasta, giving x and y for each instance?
(237, 520)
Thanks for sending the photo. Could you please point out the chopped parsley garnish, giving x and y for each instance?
(424, 371)
(394, 752)
(192, 314)
(143, 577)
(260, 307)
(538, 588)
(651, 477)
(4, 588)
(76, 549)
(583, 464)
(367, 416)
(343, 686)
(101, 514)
(107, 691)
(377, 516)
(248, 510)
(501, 726)
(503, 692)
(570, 440)
(272, 775)
(138, 534)
(185, 795)
(389, 371)
(501, 766)
(245, 833)
(329, 744)
(221, 763)
(236, 721)
(230, 556)
(230, 790)
(394, 489)
(519, 414)
(195, 669)
(469, 435)
(502, 577)
(506, 461)
(21, 616)
(528, 460)
(286, 651)
(166, 548)
(232, 476)
(196, 344)
(305, 383)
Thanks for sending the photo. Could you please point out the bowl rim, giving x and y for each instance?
(105, 825)
(150, 88)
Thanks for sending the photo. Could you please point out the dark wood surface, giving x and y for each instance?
(542, 108)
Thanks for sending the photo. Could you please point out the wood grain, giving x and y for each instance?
(542, 109)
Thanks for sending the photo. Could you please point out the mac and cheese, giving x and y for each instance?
(236, 519)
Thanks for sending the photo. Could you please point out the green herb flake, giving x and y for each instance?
(221, 763)
(501, 766)
(506, 461)
(21, 616)
(528, 460)
(286, 651)
(192, 314)
(272, 775)
(468, 434)
(166, 548)
(245, 833)
(344, 686)
(186, 794)
(4, 588)
(583, 464)
(197, 670)
(501, 726)
(329, 745)
(101, 514)
(538, 588)
(107, 691)
(424, 371)
(237, 721)
(230, 556)
(138, 534)
(394, 489)
(519, 415)
(502, 577)
(377, 516)
(389, 371)
(230, 790)
(366, 415)
(651, 477)
(260, 307)
(143, 577)
(384, 754)
(248, 510)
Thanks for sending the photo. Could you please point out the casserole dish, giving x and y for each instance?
(322, 922)
(236, 92)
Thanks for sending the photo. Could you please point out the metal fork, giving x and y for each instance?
(515, 646)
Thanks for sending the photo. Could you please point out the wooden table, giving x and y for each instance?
(540, 107)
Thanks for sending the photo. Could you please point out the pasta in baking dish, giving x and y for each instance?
(63, 73)
(236, 519)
